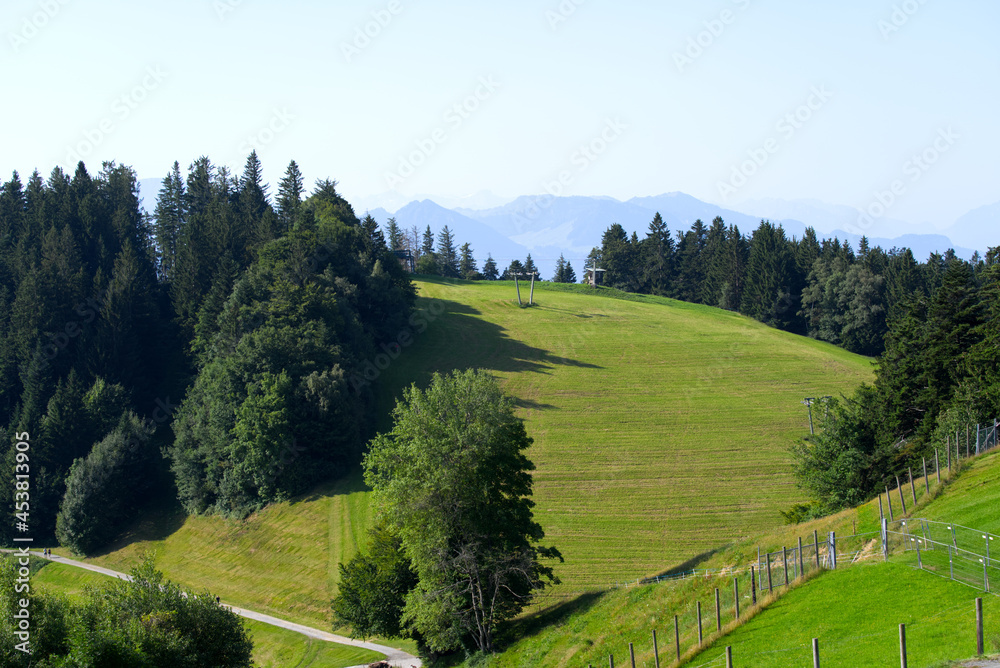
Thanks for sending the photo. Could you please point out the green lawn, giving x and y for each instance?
(273, 646)
(661, 433)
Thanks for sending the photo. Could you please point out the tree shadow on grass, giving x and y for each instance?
(159, 520)
(551, 616)
(448, 335)
(686, 566)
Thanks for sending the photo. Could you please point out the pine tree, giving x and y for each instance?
(467, 264)
(569, 276)
(515, 268)
(490, 269)
(691, 267)
(397, 240)
(448, 263)
(529, 266)
(427, 263)
(560, 275)
(656, 253)
(169, 218)
(770, 272)
(290, 190)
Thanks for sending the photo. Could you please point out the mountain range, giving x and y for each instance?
(548, 227)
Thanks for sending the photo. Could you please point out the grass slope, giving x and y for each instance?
(272, 646)
(661, 431)
(854, 611)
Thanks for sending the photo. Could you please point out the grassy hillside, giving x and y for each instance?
(661, 432)
(854, 611)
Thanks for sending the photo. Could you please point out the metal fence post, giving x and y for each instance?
(888, 498)
(833, 550)
(816, 545)
(920, 564)
(718, 612)
(881, 511)
(736, 596)
(884, 530)
(937, 466)
(656, 650)
(913, 490)
(770, 586)
(700, 639)
(986, 578)
(927, 481)
(815, 652)
(902, 646)
(951, 563)
(753, 586)
(631, 654)
(802, 569)
(979, 627)
(729, 656)
(902, 501)
(784, 561)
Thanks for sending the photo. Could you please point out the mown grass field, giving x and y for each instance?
(661, 432)
(855, 611)
(273, 647)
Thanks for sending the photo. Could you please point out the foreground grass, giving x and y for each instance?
(273, 646)
(856, 612)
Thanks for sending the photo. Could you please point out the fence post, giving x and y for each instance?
(833, 550)
(902, 646)
(913, 490)
(986, 578)
(902, 501)
(988, 538)
(884, 530)
(951, 563)
(611, 660)
(920, 564)
(881, 510)
(888, 498)
(979, 627)
(948, 447)
(927, 481)
(937, 466)
(977, 438)
(718, 612)
(816, 545)
(784, 561)
(736, 596)
(968, 428)
(700, 639)
(729, 656)
(677, 637)
(770, 586)
(802, 569)
(631, 653)
(656, 651)
(815, 652)
(753, 586)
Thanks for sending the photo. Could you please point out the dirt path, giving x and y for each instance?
(395, 657)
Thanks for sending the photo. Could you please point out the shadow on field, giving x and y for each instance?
(554, 615)
(456, 338)
(348, 483)
(157, 522)
(528, 404)
(688, 565)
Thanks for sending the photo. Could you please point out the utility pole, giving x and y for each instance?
(516, 287)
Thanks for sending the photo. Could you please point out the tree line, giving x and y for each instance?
(255, 310)
(447, 260)
(819, 288)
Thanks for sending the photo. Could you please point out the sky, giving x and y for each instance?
(886, 106)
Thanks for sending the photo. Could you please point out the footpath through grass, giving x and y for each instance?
(273, 647)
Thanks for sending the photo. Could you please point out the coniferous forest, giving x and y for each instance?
(204, 352)
(207, 351)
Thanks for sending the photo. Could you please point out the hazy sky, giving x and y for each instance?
(727, 100)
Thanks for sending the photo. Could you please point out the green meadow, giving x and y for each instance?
(661, 433)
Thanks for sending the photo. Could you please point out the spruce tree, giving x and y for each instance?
(467, 263)
(529, 266)
(290, 190)
(490, 269)
(569, 276)
(448, 262)
(560, 275)
(169, 217)
(397, 238)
